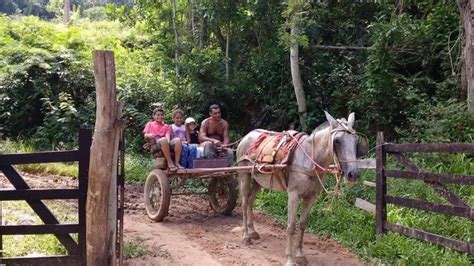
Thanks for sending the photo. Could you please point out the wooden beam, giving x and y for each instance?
(102, 191)
(39, 157)
(39, 229)
(432, 207)
(381, 190)
(366, 163)
(450, 148)
(72, 260)
(340, 48)
(365, 205)
(369, 184)
(432, 177)
(39, 194)
(437, 239)
(85, 141)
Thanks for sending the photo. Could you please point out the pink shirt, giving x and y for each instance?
(158, 129)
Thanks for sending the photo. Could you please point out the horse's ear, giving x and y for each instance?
(350, 120)
(332, 122)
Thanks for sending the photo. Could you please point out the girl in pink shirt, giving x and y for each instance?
(157, 133)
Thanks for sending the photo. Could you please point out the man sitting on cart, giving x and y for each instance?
(215, 132)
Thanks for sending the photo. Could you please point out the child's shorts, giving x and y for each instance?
(157, 146)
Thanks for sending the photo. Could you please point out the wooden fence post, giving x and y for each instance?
(381, 206)
(85, 140)
(102, 195)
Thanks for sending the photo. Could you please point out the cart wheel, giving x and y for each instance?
(223, 194)
(157, 195)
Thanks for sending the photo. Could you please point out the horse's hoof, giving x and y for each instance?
(254, 236)
(290, 263)
(247, 240)
(301, 260)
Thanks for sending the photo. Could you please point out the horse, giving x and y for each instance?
(334, 143)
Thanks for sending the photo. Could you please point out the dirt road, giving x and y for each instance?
(193, 235)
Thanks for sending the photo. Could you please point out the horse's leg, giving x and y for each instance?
(244, 192)
(290, 230)
(253, 194)
(307, 204)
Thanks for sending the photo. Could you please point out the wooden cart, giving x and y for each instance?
(222, 188)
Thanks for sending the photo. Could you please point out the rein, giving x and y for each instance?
(314, 172)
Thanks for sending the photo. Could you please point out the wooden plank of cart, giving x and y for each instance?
(222, 186)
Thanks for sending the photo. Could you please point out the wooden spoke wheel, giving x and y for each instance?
(223, 194)
(157, 195)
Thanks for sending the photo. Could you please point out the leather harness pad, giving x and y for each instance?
(274, 148)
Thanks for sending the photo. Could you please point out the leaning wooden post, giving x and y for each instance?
(381, 186)
(101, 193)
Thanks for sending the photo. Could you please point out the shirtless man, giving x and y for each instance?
(215, 130)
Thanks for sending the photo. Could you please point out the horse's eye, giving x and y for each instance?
(337, 141)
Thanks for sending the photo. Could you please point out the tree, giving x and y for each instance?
(67, 10)
(295, 17)
(467, 79)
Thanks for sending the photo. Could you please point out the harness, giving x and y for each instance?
(295, 141)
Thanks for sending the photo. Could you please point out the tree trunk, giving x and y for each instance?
(193, 26)
(296, 78)
(101, 206)
(467, 78)
(203, 35)
(176, 40)
(67, 10)
(227, 59)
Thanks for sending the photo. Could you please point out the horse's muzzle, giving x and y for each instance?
(353, 175)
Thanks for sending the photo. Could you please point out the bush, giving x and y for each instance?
(441, 123)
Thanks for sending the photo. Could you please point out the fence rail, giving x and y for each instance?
(435, 180)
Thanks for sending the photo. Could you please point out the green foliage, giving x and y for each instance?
(95, 13)
(47, 85)
(45, 89)
(411, 65)
(442, 123)
(135, 248)
(137, 167)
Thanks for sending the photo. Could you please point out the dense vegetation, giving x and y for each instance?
(404, 81)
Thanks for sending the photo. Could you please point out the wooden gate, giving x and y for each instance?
(458, 207)
(76, 250)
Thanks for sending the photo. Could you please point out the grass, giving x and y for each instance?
(134, 248)
(19, 212)
(337, 217)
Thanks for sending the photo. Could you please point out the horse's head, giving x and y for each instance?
(346, 144)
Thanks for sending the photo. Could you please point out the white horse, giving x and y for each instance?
(332, 144)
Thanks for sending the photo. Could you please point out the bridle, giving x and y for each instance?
(317, 168)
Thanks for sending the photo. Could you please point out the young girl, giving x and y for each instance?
(157, 133)
(191, 132)
(178, 130)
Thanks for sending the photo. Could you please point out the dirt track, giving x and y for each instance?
(193, 235)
